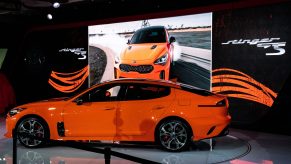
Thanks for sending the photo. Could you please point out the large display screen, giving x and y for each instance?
(2, 55)
(173, 48)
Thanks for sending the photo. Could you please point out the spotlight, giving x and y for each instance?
(56, 5)
(49, 16)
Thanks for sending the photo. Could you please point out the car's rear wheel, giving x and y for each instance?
(174, 135)
(32, 132)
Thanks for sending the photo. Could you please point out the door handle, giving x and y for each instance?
(109, 108)
(159, 107)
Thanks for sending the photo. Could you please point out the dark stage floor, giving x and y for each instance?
(239, 147)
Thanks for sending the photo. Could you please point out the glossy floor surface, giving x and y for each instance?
(239, 147)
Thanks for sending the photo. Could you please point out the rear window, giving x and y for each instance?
(196, 90)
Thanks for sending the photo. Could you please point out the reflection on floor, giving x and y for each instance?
(239, 147)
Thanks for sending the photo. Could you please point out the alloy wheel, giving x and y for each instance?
(28, 132)
(173, 135)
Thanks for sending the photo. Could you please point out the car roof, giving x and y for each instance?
(167, 83)
(142, 80)
(162, 82)
(152, 27)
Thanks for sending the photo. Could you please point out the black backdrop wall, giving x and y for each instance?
(251, 64)
(46, 56)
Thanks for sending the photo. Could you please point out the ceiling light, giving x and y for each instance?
(56, 5)
(49, 16)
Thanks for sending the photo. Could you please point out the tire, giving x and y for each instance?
(32, 126)
(173, 135)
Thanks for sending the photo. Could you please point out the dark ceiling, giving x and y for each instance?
(34, 12)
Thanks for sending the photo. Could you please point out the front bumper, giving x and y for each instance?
(152, 75)
(159, 72)
(10, 125)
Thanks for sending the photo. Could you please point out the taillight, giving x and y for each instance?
(221, 103)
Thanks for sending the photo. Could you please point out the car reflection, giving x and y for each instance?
(224, 149)
(59, 156)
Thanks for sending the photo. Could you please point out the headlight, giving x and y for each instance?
(14, 111)
(162, 60)
(117, 59)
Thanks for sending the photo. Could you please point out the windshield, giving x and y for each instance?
(75, 94)
(149, 35)
(80, 91)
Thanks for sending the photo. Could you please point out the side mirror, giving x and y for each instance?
(107, 94)
(79, 101)
(172, 39)
(128, 41)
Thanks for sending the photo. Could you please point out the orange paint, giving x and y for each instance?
(245, 86)
(137, 57)
(71, 81)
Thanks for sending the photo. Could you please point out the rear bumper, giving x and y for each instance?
(224, 132)
(216, 127)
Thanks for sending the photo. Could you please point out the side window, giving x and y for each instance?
(105, 93)
(145, 92)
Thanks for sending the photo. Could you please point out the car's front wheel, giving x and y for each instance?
(174, 135)
(32, 132)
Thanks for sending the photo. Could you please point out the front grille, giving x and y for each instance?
(139, 69)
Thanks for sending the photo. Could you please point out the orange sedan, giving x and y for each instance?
(171, 114)
(149, 54)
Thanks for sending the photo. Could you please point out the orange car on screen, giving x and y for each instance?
(171, 114)
(149, 54)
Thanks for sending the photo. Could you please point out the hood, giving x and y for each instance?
(54, 99)
(147, 51)
(44, 102)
